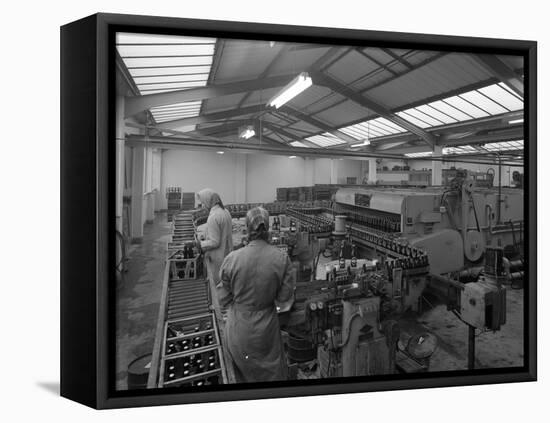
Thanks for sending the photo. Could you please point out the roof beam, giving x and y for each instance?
(398, 58)
(319, 124)
(138, 104)
(211, 117)
(280, 131)
(502, 71)
(378, 63)
(266, 71)
(508, 135)
(486, 123)
(331, 56)
(362, 100)
(243, 147)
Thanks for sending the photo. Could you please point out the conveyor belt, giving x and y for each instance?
(187, 298)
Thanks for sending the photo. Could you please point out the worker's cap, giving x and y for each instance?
(256, 217)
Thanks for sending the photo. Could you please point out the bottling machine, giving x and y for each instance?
(387, 248)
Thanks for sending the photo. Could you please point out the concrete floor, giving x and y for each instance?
(138, 297)
(492, 349)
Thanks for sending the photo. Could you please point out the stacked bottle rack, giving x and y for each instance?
(191, 353)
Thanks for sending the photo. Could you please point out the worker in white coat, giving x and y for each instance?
(253, 279)
(217, 242)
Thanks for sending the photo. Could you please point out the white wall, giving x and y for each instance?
(322, 171)
(267, 173)
(252, 178)
(195, 170)
(347, 168)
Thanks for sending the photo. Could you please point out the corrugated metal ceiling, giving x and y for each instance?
(387, 76)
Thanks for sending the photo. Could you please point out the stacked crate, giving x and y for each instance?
(293, 194)
(173, 195)
(188, 201)
(324, 192)
(305, 194)
(191, 353)
(282, 194)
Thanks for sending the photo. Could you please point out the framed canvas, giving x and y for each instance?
(259, 211)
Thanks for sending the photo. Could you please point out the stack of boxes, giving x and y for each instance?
(173, 195)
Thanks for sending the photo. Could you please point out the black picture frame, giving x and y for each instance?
(87, 209)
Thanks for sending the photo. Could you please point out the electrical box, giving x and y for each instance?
(483, 305)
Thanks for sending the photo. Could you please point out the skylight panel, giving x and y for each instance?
(325, 140)
(364, 130)
(123, 38)
(466, 107)
(484, 102)
(203, 77)
(503, 97)
(507, 88)
(436, 114)
(431, 121)
(170, 70)
(163, 63)
(413, 120)
(170, 85)
(165, 50)
(450, 110)
(299, 144)
(504, 146)
(167, 61)
(463, 149)
(419, 154)
(355, 131)
(380, 128)
(186, 104)
(390, 124)
(387, 125)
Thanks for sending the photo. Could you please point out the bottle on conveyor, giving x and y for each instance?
(353, 256)
(342, 260)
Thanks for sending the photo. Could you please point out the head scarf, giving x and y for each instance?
(254, 218)
(209, 198)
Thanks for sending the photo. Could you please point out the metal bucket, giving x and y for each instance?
(138, 372)
(300, 349)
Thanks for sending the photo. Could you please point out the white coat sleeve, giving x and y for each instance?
(213, 233)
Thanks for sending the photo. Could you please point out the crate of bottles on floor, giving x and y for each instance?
(185, 263)
(191, 353)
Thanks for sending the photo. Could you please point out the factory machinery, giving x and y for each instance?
(463, 243)
(386, 249)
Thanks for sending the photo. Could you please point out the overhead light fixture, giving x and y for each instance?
(361, 144)
(511, 122)
(247, 132)
(219, 152)
(291, 157)
(295, 87)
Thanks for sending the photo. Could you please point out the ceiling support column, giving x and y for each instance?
(120, 167)
(138, 187)
(373, 177)
(437, 167)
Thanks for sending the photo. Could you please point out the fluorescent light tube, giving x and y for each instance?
(295, 87)
(515, 121)
(219, 152)
(291, 157)
(361, 144)
(247, 132)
